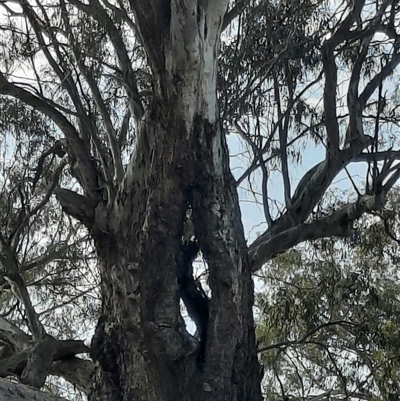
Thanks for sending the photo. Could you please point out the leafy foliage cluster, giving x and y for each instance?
(329, 316)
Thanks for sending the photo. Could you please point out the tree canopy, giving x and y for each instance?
(131, 131)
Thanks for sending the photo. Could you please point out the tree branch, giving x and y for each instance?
(339, 224)
(77, 206)
(18, 392)
(100, 14)
(75, 370)
(34, 363)
(18, 287)
(330, 114)
(305, 337)
(376, 156)
(75, 144)
(55, 179)
(13, 335)
(234, 12)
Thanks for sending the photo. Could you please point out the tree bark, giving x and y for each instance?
(141, 344)
(19, 392)
(180, 168)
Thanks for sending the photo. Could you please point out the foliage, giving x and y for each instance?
(77, 82)
(329, 316)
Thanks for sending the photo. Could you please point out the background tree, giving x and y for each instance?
(330, 321)
(132, 103)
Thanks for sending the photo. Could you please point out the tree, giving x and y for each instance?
(329, 325)
(137, 99)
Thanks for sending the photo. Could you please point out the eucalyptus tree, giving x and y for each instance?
(139, 97)
(329, 325)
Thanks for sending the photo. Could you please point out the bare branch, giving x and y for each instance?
(18, 287)
(124, 128)
(234, 12)
(283, 127)
(331, 122)
(111, 136)
(78, 206)
(339, 224)
(376, 156)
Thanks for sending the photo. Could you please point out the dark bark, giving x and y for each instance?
(181, 163)
(137, 218)
(141, 346)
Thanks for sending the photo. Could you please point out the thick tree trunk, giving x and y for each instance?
(180, 168)
(142, 347)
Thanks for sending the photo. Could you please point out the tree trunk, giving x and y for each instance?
(141, 344)
(180, 168)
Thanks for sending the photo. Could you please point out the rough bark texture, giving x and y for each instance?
(175, 200)
(137, 218)
(181, 164)
(141, 344)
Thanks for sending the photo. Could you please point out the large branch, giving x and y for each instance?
(377, 156)
(19, 392)
(152, 18)
(314, 184)
(34, 363)
(13, 335)
(76, 371)
(19, 289)
(316, 181)
(312, 187)
(339, 224)
(77, 206)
